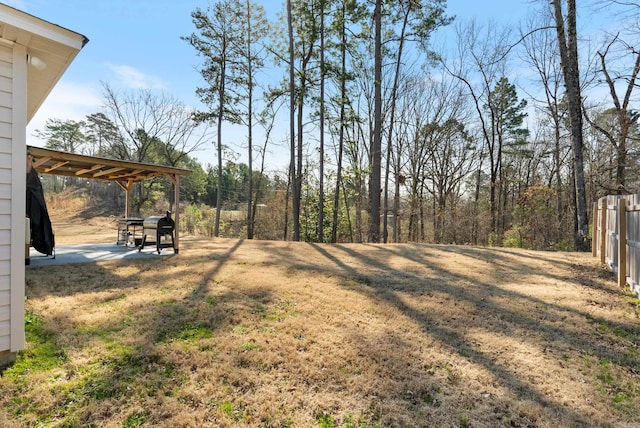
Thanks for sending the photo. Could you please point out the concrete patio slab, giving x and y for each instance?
(87, 253)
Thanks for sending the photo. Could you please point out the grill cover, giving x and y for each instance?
(42, 238)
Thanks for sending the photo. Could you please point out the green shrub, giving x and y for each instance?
(191, 219)
(513, 238)
(564, 245)
(493, 239)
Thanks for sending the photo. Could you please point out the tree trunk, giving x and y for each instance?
(216, 227)
(475, 228)
(413, 212)
(394, 95)
(558, 165)
(321, 148)
(396, 203)
(250, 211)
(286, 209)
(385, 201)
(358, 207)
(297, 180)
(295, 194)
(568, 44)
(343, 94)
(422, 215)
(376, 146)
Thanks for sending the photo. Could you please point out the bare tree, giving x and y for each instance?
(566, 31)
(144, 118)
(154, 128)
(295, 193)
(482, 53)
(625, 117)
(417, 20)
(437, 150)
(376, 144)
(541, 53)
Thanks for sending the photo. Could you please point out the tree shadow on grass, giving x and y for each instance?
(151, 367)
(584, 274)
(130, 366)
(482, 297)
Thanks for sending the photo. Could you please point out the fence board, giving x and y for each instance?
(607, 238)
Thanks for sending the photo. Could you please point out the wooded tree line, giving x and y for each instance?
(504, 137)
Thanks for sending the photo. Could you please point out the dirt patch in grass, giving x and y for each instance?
(261, 333)
(75, 220)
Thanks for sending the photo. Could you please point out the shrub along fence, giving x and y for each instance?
(616, 237)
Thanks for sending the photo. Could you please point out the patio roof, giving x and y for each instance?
(125, 173)
(47, 161)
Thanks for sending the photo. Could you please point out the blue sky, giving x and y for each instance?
(136, 44)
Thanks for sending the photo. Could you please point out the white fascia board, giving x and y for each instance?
(37, 26)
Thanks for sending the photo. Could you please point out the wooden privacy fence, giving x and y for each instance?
(616, 237)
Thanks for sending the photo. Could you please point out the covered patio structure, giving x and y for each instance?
(124, 173)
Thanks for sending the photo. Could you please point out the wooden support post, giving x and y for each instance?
(622, 242)
(603, 230)
(126, 186)
(127, 201)
(594, 230)
(127, 212)
(176, 184)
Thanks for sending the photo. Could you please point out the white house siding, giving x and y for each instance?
(5, 299)
(18, 194)
(12, 197)
(6, 86)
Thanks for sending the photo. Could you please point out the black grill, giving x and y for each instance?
(158, 230)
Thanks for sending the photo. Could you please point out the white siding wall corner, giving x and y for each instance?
(18, 192)
(6, 148)
(16, 103)
(13, 121)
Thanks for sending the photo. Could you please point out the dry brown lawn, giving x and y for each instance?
(273, 334)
